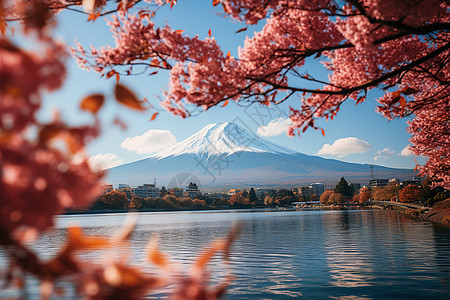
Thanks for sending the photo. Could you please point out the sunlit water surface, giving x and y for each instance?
(359, 254)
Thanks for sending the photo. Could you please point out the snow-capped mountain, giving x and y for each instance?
(225, 155)
(222, 139)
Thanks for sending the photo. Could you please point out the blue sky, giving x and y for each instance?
(356, 129)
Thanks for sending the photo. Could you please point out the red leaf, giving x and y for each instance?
(154, 116)
(3, 26)
(323, 131)
(126, 97)
(228, 54)
(209, 32)
(215, 2)
(117, 78)
(110, 74)
(179, 31)
(225, 104)
(396, 94)
(360, 100)
(242, 29)
(155, 62)
(92, 103)
(402, 102)
(304, 128)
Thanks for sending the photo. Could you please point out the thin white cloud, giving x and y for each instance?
(345, 146)
(151, 141)
(406, 152)
(275, 127)
(104, 161)
(383, 154)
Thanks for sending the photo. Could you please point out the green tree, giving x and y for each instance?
(245, 193)
(163, 192)
(252, 196)
(343, 188)
(150, 202)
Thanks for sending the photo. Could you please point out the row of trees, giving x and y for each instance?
(420, 194)
(118, 200)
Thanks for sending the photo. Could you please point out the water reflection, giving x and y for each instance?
(294, 254)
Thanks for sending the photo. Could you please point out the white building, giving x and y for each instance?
(192, 191)
(146, 191)
(318, 188)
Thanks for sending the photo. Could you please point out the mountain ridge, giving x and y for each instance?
(224, 155)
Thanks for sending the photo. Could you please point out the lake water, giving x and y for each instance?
(340, 254)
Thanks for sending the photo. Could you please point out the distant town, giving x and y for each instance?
(151, 197)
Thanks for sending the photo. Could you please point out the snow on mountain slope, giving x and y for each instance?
(228, 156)
(222, 138)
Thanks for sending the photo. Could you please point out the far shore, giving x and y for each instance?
(438, 217)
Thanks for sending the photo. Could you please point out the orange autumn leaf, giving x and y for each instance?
(323, 131)
(49, 132)
(225, 103)
(3, 26)
(117, 78)
(208, 254)
(179, 31)
(155, 62)
(5, 138)
(209, 32)
(94, 16)
(154, 116)
(92, 103)
(215, 2)
(77, 240)
(402, 102)
(73, 144)
(228, 54)
(126, 97)
(155, 256)
(396, 94)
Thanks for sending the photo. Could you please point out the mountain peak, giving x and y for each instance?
(222, 139)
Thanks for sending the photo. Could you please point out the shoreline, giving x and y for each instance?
(441, 217)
